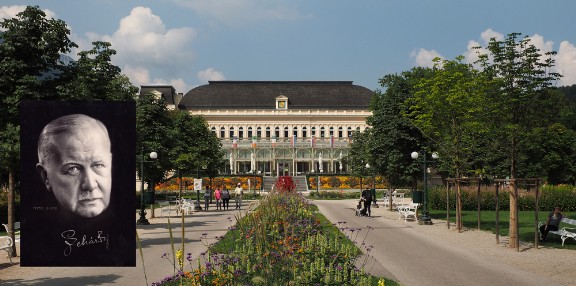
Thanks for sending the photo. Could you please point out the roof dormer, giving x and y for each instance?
(281, 102)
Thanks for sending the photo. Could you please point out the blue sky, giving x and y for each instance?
(185, 43)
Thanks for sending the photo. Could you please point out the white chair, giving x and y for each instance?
(6, 245)
(16, 231)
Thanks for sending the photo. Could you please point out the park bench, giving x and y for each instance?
(408, 211)
(6, 245)
(564, 232)
(167, 207)
(16, 231)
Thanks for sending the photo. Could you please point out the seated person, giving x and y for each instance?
(552, 223)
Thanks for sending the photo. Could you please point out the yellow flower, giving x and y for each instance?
(381, 282)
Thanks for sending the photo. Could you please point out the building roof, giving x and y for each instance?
(263, 94)
(167, 92)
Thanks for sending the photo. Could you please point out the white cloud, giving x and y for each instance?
(146, 48)
(9, 12)
(233, 12)
(423, 57)
(210, 74)
(566, 63)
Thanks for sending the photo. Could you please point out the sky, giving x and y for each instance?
(186, 43)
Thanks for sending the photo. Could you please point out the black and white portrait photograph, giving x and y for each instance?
(78, 195)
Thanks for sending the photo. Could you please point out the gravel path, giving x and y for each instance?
(554, 265)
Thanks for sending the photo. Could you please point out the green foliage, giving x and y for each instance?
(550, 196)
(153, 123)
(393, 137)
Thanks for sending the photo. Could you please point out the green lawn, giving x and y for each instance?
(525, 223)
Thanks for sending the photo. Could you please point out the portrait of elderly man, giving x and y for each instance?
(77, 198)
(75, 163)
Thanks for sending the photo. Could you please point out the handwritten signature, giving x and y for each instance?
(72, 241)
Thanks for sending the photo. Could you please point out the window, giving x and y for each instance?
(213, 129)
(331, 131)
(304, 132)
(222, 132)
(295, 131)
(231, 132)
(250, 132)
(241, 132)
(349, 131)
(268, 134)
(322, 130)
(340, 132)
(313, 131)
(281, 102)
(259, 132)
(286, 132)
(277, 132)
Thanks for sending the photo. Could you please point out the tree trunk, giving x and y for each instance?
(11, 209)
(513, 230)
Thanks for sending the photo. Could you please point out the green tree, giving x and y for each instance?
(448, 108)
(29, 58)
(394, 137)
(550, 152)
(153, 124)
(359, 154)
(518, 76)
(195, 146)
(93, 77)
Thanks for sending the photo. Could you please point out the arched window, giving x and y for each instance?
(231, 132)
(250, 132)
(331, 131)
(295, 131)
(213, 129)
(240, 132)
(313, 130)
(322, 130)
(277, 132)
(304, 132)
(340, 132)
(268, 134)
(259, 132)
(222, 132)
(349, 131)
(286, 132)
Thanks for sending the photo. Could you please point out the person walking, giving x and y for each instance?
(238, 193)
(218, 197)
(367, 198)
(207, 198)
(225, 199)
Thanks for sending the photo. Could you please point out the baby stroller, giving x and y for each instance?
(360, 210)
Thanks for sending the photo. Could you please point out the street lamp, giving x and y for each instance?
(142, 220)
(425, 219)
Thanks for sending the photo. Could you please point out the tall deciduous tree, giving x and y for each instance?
(518, 74)
(394, 137)
(93, 77)
(448, 108)
(195, 146)
(29, 56)
(153, 124)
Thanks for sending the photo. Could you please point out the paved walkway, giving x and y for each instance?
(155, 239)
(414, 255)
(404, 251)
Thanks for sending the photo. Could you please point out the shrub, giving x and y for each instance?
(550, 196)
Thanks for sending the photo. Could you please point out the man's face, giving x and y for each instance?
(80, 172)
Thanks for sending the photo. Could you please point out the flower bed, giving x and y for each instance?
(282, 242)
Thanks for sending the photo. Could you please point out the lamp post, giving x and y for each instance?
(425, 219)
(142, 220)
